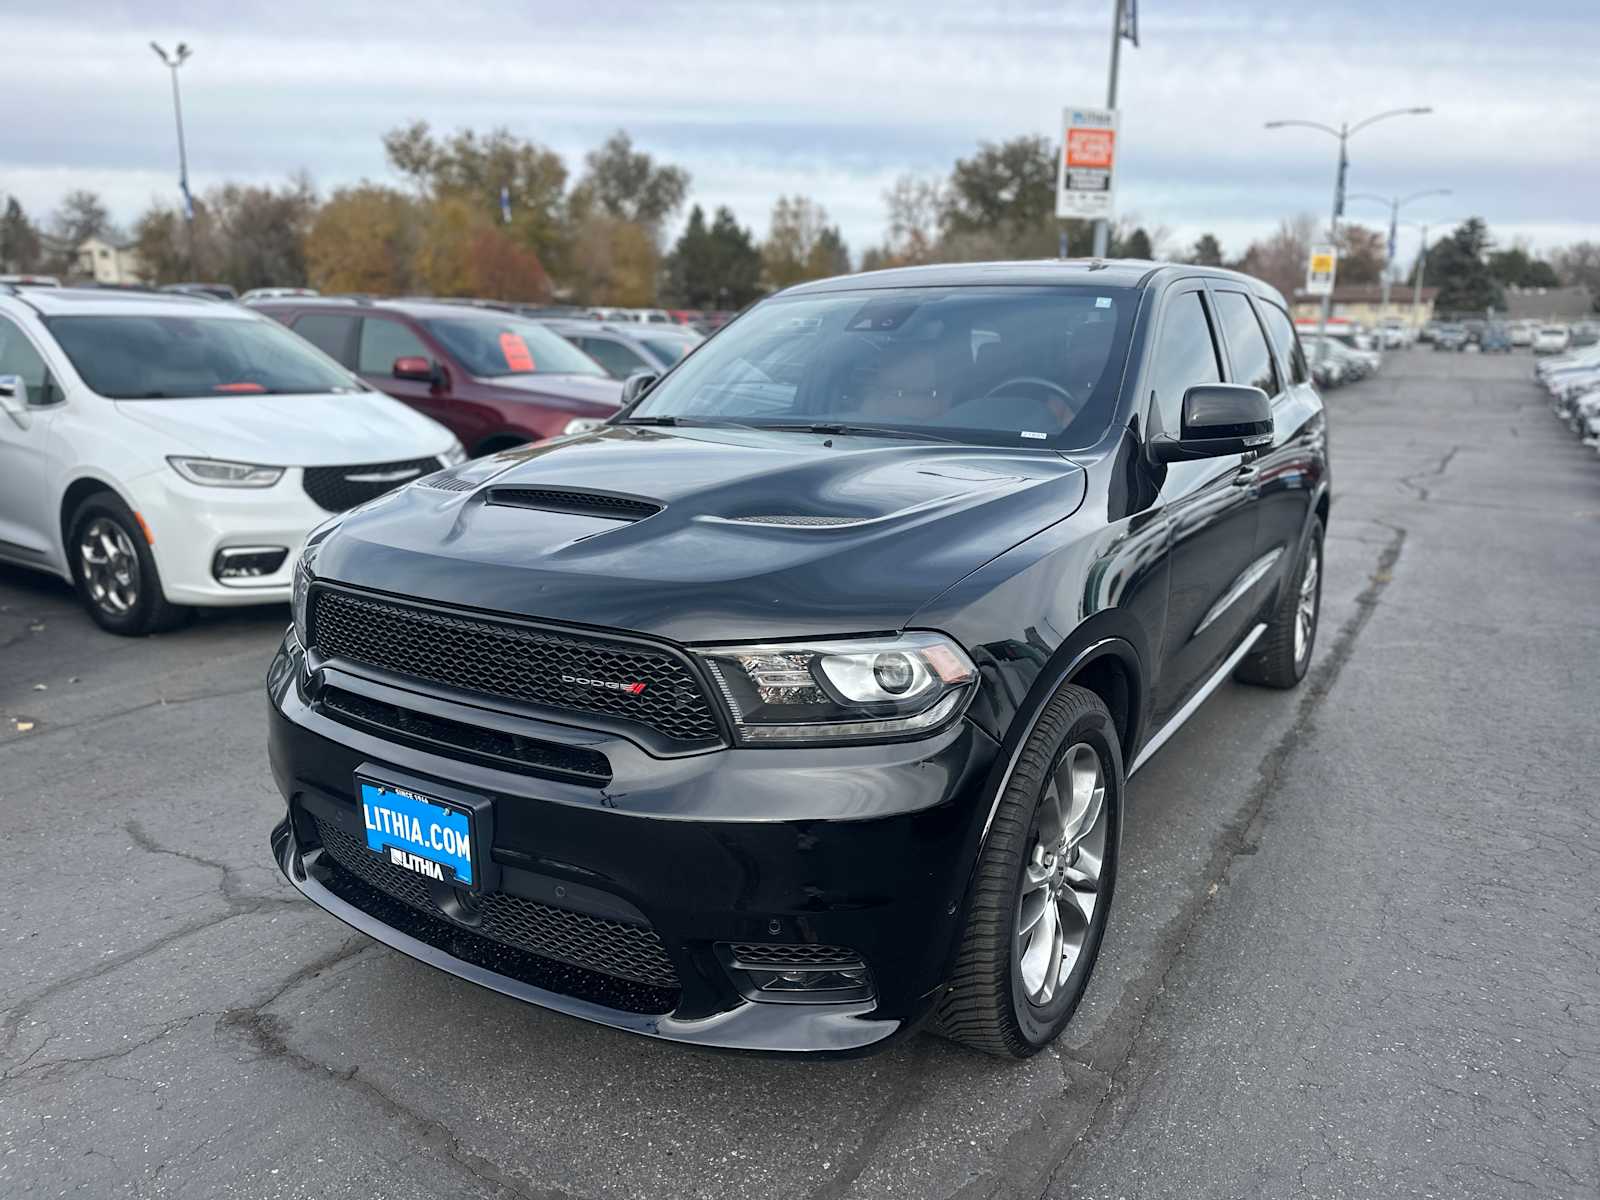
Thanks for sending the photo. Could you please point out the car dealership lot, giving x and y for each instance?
(1353, 947)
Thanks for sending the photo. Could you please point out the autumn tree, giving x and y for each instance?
(915, 207)
(159, 242)
(364, 239)
(628, 185)
(613, 262)
(1000, 203)
(255, 236)
(82, 214)
(1363, 254)
(801, 244)
(1281, 258)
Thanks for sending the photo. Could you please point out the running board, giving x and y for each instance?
(1196, 700)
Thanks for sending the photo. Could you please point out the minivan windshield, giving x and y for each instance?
(140, 357)
(490, 346)
(1007, 366)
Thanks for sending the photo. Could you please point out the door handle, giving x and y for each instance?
(1245, 478)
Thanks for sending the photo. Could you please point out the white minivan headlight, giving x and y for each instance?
(216, 472)
(455, 456)
(783, 693)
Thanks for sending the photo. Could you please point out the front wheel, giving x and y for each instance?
(115, 572)
(1043, 885)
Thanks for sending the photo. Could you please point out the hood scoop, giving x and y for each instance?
(796, 519)
(608, 505)
(449, 483)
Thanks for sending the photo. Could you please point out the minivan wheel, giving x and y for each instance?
(1282, 655)
(1043, 885)
(115, 572)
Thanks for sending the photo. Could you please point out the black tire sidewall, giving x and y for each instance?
(140, 619)
(1039, 1026)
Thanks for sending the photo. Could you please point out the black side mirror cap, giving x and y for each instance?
(1218, 419)
(636, 385)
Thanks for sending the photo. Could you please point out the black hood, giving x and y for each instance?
(731, 534)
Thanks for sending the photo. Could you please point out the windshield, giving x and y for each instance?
(160, 358)
(490, 346)
(1009, 366)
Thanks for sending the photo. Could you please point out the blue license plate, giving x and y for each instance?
(417, 833)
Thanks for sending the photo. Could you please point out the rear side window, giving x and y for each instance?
(1247, 345)
(329, 333)
(382, 342)
(1283, 337)
(617, 359)
(1186, 355)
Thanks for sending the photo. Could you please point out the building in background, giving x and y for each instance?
(1364, 305)
(106, 262)
(1563, 305)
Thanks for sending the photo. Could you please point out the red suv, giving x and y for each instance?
(492, 378)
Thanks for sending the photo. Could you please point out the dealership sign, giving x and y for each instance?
(1320, 270)
(1085, 174)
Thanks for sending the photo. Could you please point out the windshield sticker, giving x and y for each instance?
(1102, 301)
(1028, 433)
(516, 352)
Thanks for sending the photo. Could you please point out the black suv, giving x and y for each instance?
(793, 708)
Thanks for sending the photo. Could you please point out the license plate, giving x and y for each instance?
(418, 833)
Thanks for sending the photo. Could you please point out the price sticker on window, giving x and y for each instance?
(516, 352)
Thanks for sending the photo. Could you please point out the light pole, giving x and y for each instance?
(1396, 203)
(172, 63)
(1344, 134)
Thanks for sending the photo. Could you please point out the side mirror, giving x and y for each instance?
(1218, 419)
(14, 399)
(636, 385)
(414, 367)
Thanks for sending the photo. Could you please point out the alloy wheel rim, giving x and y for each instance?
(1061, 879)
(1305, 613)
(110, 566)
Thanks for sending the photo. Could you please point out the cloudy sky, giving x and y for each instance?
(834, 98)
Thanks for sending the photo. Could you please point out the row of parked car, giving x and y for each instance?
(1572, 381)
(1503, 337)
(163, 450)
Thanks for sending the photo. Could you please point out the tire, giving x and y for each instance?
(114, 571)
(991, 1003)
(1283, 654)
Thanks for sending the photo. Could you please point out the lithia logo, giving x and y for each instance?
(633, 689)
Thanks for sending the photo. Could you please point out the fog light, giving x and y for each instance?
(796, 974)
(245, 564)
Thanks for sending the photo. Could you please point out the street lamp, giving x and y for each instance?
(172, 63)
(1344, 134)
(1396, 203)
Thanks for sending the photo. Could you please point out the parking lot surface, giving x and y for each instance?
(1354, 951)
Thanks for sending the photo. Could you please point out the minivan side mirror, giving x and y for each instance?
(14, 398)
(416, 367)
(1218, 419)
(636, 385)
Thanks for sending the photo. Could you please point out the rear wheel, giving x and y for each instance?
(1043, 885)
(1283, 654)
(115, 572)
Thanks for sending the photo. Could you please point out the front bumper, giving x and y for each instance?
(868, 848)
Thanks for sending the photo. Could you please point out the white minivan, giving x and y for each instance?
(159, 451)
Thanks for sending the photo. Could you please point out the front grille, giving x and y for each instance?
(600, 944)
(334, 489)
(798, 954)
(516, 661)
(506, 750)
(583, 504)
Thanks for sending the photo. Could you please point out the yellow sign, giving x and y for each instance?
(1322, 264)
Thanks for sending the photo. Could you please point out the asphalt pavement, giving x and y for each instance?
(1354, 951)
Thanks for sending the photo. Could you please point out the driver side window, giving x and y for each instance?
(1185, 355)
(18, 357)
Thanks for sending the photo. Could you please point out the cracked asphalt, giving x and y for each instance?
(1355, 947)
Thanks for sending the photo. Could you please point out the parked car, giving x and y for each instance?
(277, 293)
(160, 451)
(1495, 339)
(1585, 333)
(625, 350)
(1551, 339)
(494, 379)
(797, 703)
(1450, 337)
(210, 291)
(30, 281)
(1428, 331)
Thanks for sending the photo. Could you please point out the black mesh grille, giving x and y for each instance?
(517, 662)
(588, 504)
(632, 952)
(335, 490)
(503, 749)
(799, 954)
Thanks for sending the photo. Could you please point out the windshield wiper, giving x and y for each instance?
(841, 428)
(688, 422)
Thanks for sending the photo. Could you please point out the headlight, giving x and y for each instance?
(455, 456)
(784, 692)
(299, 592)
(214, 472)
(583, 424)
